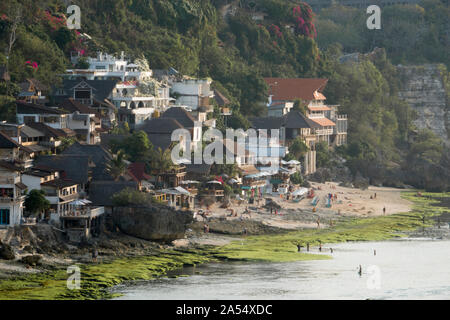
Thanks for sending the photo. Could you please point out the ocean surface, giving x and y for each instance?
(400, 269)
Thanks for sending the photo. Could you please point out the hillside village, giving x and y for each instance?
(69, 145)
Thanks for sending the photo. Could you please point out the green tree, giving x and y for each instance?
(117, 167)
(298, 148)
(161, 163)
(301, 106)
(35, 202)
(322, 154)
(129, 196)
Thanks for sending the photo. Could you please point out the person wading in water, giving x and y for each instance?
(360, 271)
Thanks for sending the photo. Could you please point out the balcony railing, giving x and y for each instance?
(11, 199)
(84, 212)
(324, 132)
(216, 193)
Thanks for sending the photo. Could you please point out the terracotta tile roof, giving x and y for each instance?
(296, 88)
(324, 122)
(137, 170)
(320, 108)
(248, 169)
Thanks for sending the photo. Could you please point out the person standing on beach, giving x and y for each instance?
(320, 247)
(318, 223)
(360, 271)
(307, 246)
(374, 252)
(384, 211)
(94, 255)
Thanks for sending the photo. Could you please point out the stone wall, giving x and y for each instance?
(424, 89)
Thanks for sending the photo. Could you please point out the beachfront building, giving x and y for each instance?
(58, 191)
(330, 126)
(177, 198)
(12, 194)
(291, 126)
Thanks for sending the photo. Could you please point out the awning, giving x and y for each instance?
(189, 182)
(21, 186)
(175, 191)
(300, 192)
(80, 202)
(37, 148)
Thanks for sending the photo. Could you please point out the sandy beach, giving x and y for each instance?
(293, 216)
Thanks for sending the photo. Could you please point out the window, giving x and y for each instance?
(4, 217)
(28, 119)
(83, 94)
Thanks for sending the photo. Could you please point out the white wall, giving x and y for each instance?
(31, 182)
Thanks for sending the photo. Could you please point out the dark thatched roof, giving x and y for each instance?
(101, 192)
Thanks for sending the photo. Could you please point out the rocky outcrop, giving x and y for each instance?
(424, 89)
(6, 252)
(155, 223)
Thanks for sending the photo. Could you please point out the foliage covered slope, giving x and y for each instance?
(201, 38)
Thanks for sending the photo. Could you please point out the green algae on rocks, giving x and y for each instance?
(97, 278)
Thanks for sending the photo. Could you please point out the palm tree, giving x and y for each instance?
(161, 163)
(117, 167)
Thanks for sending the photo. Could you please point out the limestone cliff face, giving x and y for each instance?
(155, 223)
(425, 88)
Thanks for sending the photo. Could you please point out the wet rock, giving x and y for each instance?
(31, 260)
(6, 252)
(155, 223)
(28, 249)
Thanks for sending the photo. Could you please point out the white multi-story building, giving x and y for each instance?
(12, 195)
(59, 192)
(193, 93)
(136, 95)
